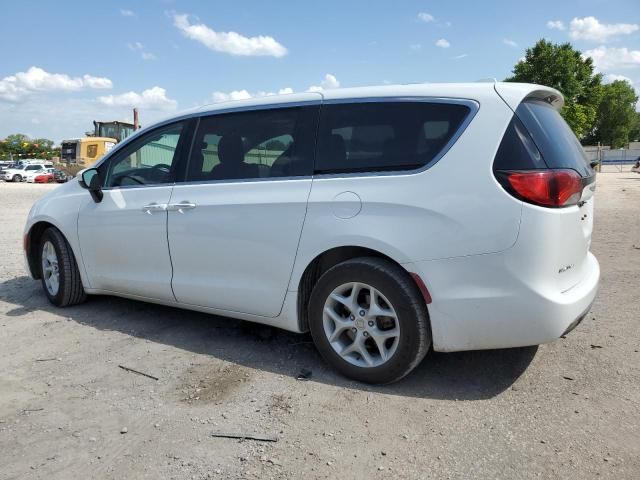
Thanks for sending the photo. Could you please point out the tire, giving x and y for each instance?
(396, 293)
(17, 178)
(69, 290)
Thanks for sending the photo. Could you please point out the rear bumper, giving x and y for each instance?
(482, 302)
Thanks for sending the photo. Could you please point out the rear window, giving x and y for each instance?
(554, 138)
(383, 136)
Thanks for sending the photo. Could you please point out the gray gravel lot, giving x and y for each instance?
(569, 409)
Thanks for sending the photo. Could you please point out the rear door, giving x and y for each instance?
(235, 222)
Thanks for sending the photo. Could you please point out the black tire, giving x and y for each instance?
(17, 178)
(399, 288)
(70, 291)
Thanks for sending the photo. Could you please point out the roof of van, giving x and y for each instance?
(512, 93)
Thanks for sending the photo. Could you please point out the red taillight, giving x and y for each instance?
(548, 188)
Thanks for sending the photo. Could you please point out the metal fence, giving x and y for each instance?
(618, 158)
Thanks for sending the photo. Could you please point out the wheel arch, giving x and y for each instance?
(320, 264)
(31, 243)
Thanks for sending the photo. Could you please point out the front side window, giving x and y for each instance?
(381, 136)
(254, 144)
(150, 160)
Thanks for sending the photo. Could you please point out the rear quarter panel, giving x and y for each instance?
(454, 208)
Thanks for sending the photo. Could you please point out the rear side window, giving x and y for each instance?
(554, 138)
(517, 150)
(381, 136)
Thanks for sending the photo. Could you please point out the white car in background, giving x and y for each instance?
(385, 220)
(20, 174)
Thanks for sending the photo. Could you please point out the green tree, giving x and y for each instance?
(617, 115)
(562, 67)
(634, 133)
(19, 146)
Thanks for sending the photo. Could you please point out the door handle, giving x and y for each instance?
(154, 207)
(181, 207)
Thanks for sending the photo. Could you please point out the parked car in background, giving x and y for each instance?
(44, 178)
(60, 176)
(18, 174)
(385, 220)
(30, 177)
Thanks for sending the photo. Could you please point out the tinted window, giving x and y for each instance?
(152, 159)
(554, 138)
(517, 150)
(254, 144)
(386, 135)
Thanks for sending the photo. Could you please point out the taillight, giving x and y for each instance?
(547, 188)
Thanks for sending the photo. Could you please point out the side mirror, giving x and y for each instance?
(90, 179)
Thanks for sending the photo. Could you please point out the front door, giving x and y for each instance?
(124, 237)
(234, 240)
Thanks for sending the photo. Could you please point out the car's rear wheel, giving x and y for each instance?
(369, 321)
(59, 270)
(17, 178)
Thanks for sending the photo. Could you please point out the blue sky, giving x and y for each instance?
(65, 64)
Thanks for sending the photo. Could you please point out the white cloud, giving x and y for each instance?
(229, 42)
(556, 25)
(443, 43)
(415, 46)
(243, 94)
(509, 42)
(426, 17)
(609, 58)
(612, 77)
(233, 95)
(139, 48)
(590, 28)
(463, 55)
(154, 98)
(127, 13)
(96, 82)
(16, 87)
(328, 83)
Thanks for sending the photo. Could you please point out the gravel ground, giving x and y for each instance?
(569, 409)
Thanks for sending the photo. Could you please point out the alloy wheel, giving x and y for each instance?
(361, 325)
(50, 268)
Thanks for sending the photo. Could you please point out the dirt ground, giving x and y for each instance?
(570, 409)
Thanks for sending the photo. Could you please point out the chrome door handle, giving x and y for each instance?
(181, 207)
(154, 207)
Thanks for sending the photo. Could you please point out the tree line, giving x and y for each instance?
(596, 112)
(18, 146)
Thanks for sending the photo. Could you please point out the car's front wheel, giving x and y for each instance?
(59, 270)
(17, 178)
(369, 321)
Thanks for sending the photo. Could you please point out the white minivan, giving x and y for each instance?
(385, 220)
